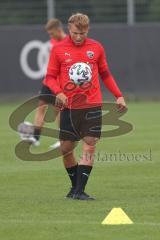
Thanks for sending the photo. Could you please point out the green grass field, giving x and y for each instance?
(32, 204)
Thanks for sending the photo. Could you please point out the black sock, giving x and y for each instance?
(83, 173)
(37, 133)
(72, 173)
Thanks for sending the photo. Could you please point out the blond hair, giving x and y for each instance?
(80, 20)
(53, 23)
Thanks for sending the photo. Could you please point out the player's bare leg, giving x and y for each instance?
(39, 122)
(40, 114)
(39, 119)
(70, 163)
(57, 114)
(85, 167)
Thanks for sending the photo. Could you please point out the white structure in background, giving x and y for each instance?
(51, 9)
(51, 13)
(130, 12)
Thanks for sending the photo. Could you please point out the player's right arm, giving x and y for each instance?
(53, 70)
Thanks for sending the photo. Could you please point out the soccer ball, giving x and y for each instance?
(80, 73)
(25, 130)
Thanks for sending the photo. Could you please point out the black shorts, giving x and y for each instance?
(47, 95)
(76, 124)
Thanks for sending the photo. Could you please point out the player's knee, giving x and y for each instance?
(91, 141)
(42, 104)
(66, 148)
(88, 148)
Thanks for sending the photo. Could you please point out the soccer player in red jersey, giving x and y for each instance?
(55, 30)
(81, 114)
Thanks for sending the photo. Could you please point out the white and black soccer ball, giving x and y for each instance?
(80, 73)
(25, 130)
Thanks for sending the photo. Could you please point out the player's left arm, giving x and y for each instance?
(109, 81)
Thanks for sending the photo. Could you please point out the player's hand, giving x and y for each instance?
(121, 105)
(61, 100)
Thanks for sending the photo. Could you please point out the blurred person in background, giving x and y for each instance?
(56, 33)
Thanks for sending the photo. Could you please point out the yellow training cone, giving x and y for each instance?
(117, 216)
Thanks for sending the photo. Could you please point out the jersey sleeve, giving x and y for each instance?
(102, 63)
(106, 75)
(53, 70)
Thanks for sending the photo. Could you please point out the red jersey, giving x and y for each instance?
(63, 56)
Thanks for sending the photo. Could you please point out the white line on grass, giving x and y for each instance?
(66, 222)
